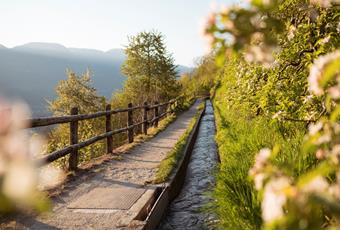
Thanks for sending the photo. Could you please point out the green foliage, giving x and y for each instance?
(281, 39)
(200, 81)
(151, 77)
(77, 91)
(240, 135)
(149, 69)
(266, 50)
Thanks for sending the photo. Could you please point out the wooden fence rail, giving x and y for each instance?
(74, 118)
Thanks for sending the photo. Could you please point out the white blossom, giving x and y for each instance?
(315, 74)
(291, 32)
(336, 150)
(259, 180)
(274, 198)
(325, 40)
(277, 115)
(18, 170)
(50, 177)
(317, 185)
(315, 128)
(19, 181)
(260, 54)
(325, 138)
(322, 3)
(334, 92)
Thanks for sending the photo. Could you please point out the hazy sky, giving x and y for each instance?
(105, 24)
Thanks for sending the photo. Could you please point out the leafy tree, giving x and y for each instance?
(269, 92)
(150, 70)
(77, 91)
(201, 79)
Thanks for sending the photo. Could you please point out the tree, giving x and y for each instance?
(150, 69)
(77, 91)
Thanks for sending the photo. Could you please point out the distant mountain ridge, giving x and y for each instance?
(31, 71)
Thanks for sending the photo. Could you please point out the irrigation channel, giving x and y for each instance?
(185, 212)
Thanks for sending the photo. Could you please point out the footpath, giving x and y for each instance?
(110, 195)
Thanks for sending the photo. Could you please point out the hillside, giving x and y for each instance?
(31, 71)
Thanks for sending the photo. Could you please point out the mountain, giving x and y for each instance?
(181, 69)
(117, 53)
(30, 72)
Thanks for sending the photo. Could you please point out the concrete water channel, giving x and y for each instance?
(186, 211)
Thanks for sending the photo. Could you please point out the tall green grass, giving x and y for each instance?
(239, 137)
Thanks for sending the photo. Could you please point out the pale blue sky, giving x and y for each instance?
(105, 24)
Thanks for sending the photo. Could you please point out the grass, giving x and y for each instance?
(170, 162)
(239, 138)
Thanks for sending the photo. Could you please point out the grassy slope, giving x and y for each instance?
(239, 137)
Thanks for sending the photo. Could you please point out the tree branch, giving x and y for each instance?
(297, 63)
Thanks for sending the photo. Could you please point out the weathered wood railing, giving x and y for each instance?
(74, 118)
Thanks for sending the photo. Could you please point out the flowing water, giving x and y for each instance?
(185, 212)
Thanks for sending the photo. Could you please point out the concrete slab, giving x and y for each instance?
(121, 198)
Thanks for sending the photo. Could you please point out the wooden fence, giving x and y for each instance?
(74, 118)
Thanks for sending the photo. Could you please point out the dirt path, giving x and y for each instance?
(109, 196)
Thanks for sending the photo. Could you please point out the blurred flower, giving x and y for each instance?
(315, 128)
(259, 180)
(325, 40)
(263, 156)
(211, 20)
(291, 32)
(334, 190)
(277, 115)
(257, 37)
(334, 92)
(317, 185)
(18, 169)
(324, 139)
(260, 54)
(274, 198)
(316, 71)
(336, 128)
(336, 150)
(320, 154)
(322, 3)
(50, 177)
(20, 181)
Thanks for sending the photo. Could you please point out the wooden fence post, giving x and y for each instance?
(156, 115)
(73, 160)
(171, 107)
(166, 109)
(145, 118)
(109, 139)
(130, 123)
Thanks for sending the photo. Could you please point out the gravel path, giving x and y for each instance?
(129, 174)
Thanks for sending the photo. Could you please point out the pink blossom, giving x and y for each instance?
(320, 154)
